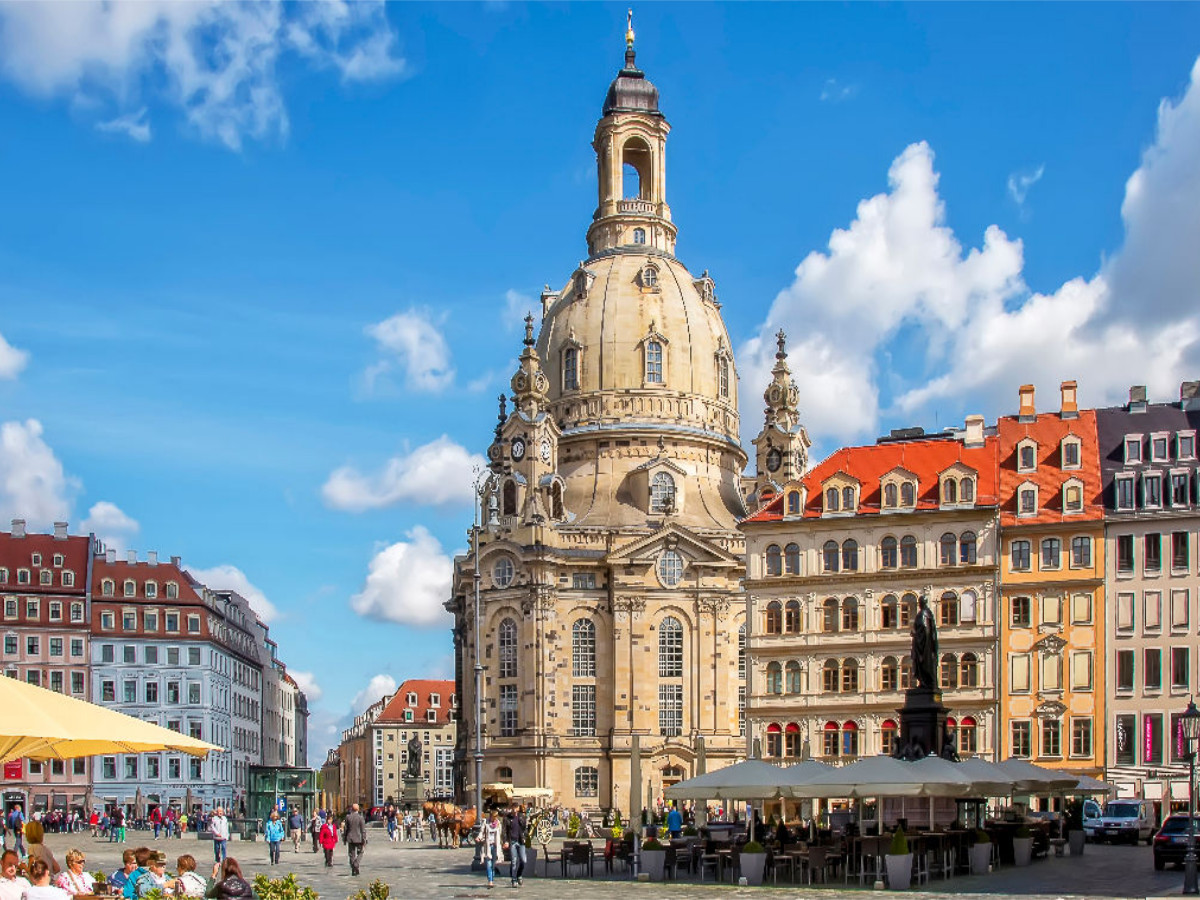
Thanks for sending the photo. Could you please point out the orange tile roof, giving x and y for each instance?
(1048, 431)
(17, 553)
(393, 712)
(141, 572)
(924, 459)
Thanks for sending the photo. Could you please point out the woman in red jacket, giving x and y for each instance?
(329, 839)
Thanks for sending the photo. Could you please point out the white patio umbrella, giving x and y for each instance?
(1031, 779)
(1089, 785)
(883, 776)
(987, 779)
(752, 779)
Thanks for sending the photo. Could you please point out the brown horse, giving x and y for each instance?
(453, 822)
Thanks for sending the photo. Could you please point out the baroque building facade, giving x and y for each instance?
(836, 562)
(609, 561)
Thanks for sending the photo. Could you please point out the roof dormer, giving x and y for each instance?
(1071, 451)
(898, 490)
(1072, 497)
(957, 486)
(840, 495)
(1027, 453)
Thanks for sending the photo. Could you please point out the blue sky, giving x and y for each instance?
(225, 227)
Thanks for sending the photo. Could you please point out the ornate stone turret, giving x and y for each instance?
(529, 384)
(782, 445)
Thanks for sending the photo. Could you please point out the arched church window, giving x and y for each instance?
(556, 501)
(508, 502)
(654, 362)
(639, 235)
(670, 648)
(662, 493)
(571, 369)
(583, 649)
(723, 377)
(508, 649)
(670, 568)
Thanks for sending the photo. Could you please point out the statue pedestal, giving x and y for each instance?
(922, 724)
(414, 790)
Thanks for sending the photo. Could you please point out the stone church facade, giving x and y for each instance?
(608, 560)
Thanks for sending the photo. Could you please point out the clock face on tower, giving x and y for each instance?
(545, 449)
(774, 459)
(518, 449)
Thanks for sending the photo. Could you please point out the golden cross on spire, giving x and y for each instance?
(629, 31)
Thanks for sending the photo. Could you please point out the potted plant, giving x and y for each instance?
(1022, 846)
(981, 853)
(1073, 821)
(899, 862)
(618, 830)
(573, 826)
(753, 862)
(653, 858)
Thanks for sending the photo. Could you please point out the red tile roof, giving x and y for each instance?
(393, 712)
(17, 553)
(924, 459)
(1048, 431)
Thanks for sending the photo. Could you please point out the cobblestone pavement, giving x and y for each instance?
(426, 873)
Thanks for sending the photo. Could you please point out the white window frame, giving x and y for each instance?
(1126, 478)
(1073, 483)
(1023, 445)
(1179, 435)
(1165, 437)
(1024, 486)
(1075, 442)
(1131, 440)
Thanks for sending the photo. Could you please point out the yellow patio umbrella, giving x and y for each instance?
(42, 724)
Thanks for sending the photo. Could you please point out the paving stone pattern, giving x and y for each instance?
(422, 872)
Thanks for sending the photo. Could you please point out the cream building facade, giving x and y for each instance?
(836, 563)
(609, 560)
(423, 709)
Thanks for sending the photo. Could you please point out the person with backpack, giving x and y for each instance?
(16, 822)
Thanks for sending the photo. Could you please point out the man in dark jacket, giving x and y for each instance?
(515, 844)
(354, 835)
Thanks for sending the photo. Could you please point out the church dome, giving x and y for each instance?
(631, 90)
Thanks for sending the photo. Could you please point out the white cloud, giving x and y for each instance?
(12, 360)
(133, 125)
(377, 688)
(230, 578)
(516, 307)
(1019, 183)
(439, 473)
(110, 524)
(307, 682)
(415, 344)
(33, 485)
(834, 91)
(215, 61)
(408, 582)
(897, 286)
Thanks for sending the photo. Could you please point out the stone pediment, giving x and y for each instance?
(840, 478)
(1052, 643)
(957, 468)
(647, 549)
(662, 462)
(899, 473)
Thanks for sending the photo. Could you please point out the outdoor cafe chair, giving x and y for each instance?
(817, 863)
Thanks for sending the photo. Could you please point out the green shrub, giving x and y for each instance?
(1023, 832)
(753, 847)
(286, 888)
(689, 831)
(899, 845)
(982, 837)
(573, 825)
(377, 891)
(652, 844)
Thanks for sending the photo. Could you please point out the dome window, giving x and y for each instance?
(654, 362)
(502, 572)
(570, 369)
(648, 277)
(662, 493)
(639, 235)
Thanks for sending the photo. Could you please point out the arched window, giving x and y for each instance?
(968, 668)
(793, 677)
(829, 676)
(908, 609)
(849, 676)
(556, 501)
(774, 618)
(949, 491)
(908, 552)
(791, 559)
(654, 360)
(639, 235)
(890, 609)
(107, 587)
(570, 369)
(793, 503)
(742, 653)
(774, 678)
(792, 616)
(849, 614)
(508, 649)
(774, 740)
(849, 739)
(966, 548)
(791, 740)
(967, 735)
(662, 493)
(905, 672)
(831, 500)
(889, 674)
(502, 572)
(888, 556)
(967, 489)
(508, 505)
(949, 673)
(723, 376)
(829, 555)
(670, 648)
(948, 609)
(949, 547)
(130, 588)
(908, 494)
(848, 503)
(774, 560)
(829, 620)
(649, 277)
(583, 649)
(888, 735)
(172, 590)
(850, 555)
(829, 739)
(889, 495)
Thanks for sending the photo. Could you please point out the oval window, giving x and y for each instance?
(502, 572)
(670, 568)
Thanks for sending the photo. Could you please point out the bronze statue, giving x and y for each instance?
(924, 647)
(414, 757)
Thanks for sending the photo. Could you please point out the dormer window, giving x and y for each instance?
(411, 699)
(649, 278)
(662, 493)
(1158, 447)
(581, 284)
(431, 715)
(1185, 445)
(949, 492)
(151, 590)
(639, 235)
(1125, 492)
(654, 362)
(848, 503)
(107, 587)
(130, 588)
(890, 495)
(1133, 448)
(1027, 500)
(831, 500)
(58, 560)
(1152, 490)
(45, 577)
(793, 503)
(172, 590)
(908, 494)
(37, 560)
(435, 700)
(1026, 456)
(1073, 496)
(1070, 452)
(570, 369)
(966, 490)
(408, 715)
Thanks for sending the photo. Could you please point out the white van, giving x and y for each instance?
(1126, 820)
(1091, 818)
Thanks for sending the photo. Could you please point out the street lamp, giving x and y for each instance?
(482, 482)
(1189, 723)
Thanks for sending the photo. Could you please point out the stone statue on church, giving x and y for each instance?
(414, 757)
(924, 647)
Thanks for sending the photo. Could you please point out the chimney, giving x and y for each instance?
(152, 557)
(177, 562)
(1070, 401)
(110, 556)
(131, 557)
(1027, 412)
(18, 528)
(1137, 398)
(60, 531)
(974, 431)
(1189, 395)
